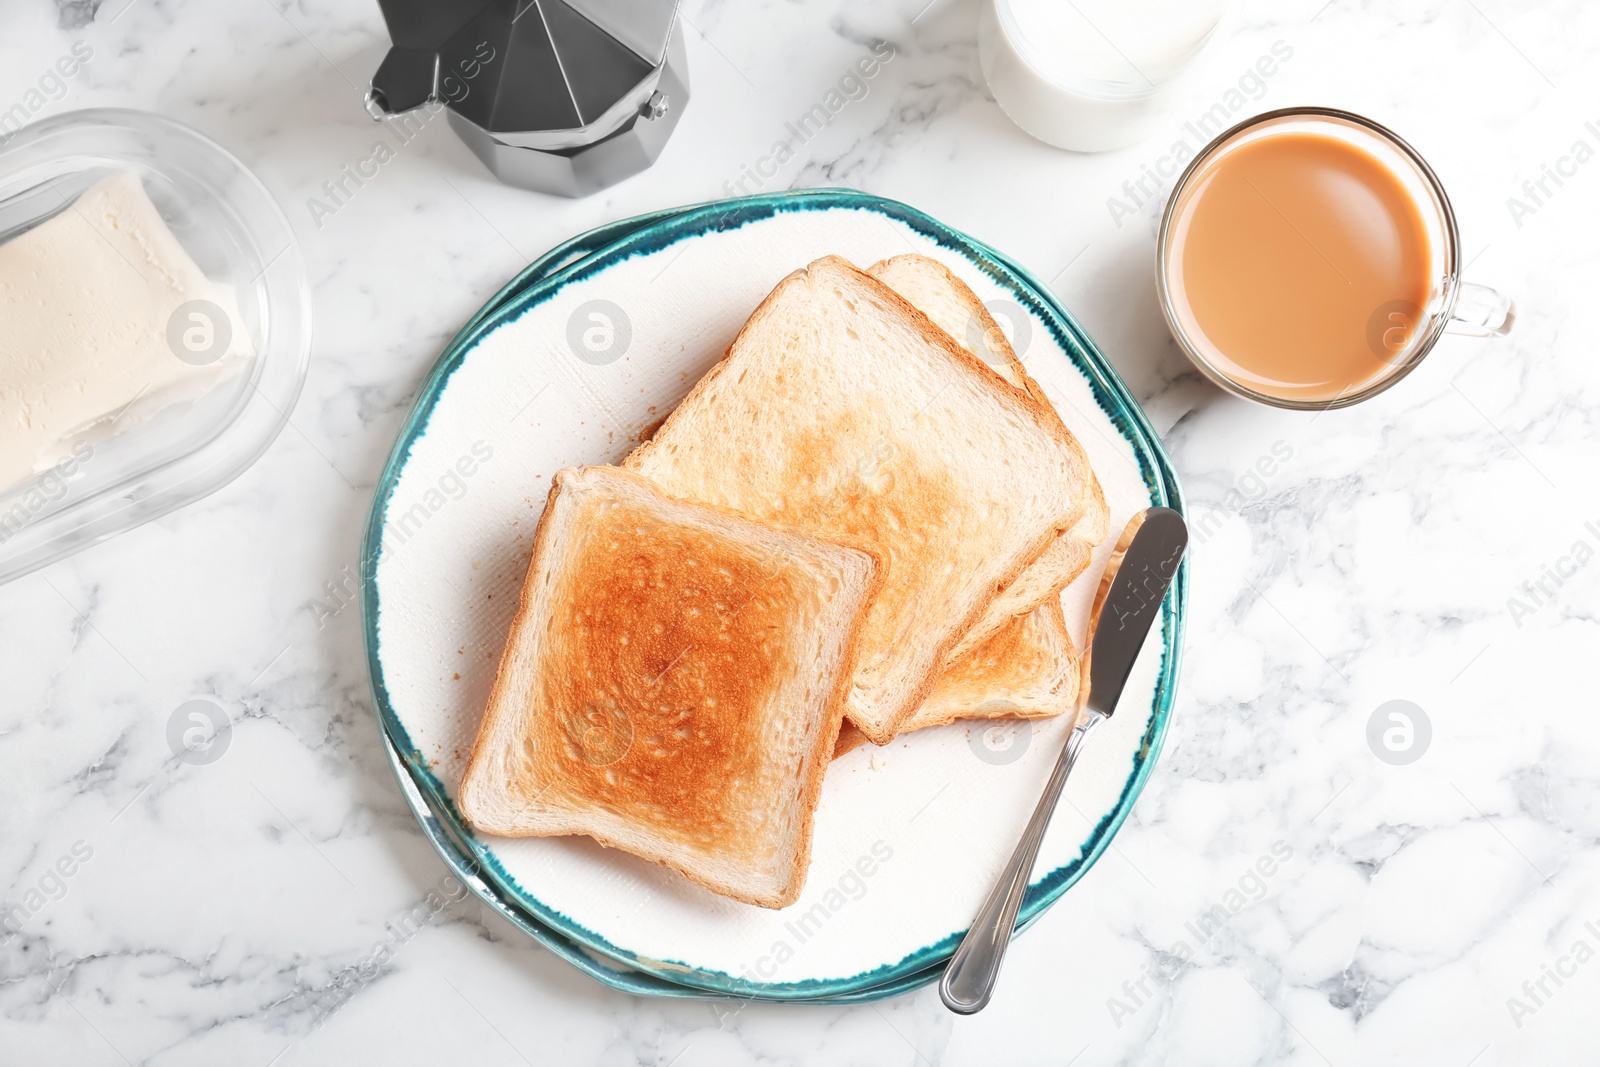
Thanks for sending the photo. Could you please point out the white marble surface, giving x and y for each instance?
(228, 913)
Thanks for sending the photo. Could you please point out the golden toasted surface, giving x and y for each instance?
(648, 710)
(1018, 651)
(877, 499)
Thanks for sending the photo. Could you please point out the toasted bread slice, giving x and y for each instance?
(934, 290)
(672, 685)
(843, 412)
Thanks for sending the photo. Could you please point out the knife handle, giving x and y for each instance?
(969, 978)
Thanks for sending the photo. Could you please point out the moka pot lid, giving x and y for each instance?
(541, 73)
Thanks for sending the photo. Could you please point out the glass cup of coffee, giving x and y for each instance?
(1309, 259)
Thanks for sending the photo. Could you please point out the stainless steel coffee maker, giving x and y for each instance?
(560, 96)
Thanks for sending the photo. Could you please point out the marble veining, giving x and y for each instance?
(274, 903)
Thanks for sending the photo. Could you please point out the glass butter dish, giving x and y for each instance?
(154, 327)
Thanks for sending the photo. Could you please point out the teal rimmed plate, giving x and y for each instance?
(571, 363)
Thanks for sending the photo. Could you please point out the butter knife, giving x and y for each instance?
(1132, 589)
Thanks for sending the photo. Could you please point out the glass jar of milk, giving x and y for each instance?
(1092, 75)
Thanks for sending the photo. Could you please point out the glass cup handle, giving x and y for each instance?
(1481, 312)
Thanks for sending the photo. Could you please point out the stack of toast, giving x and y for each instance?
(857, 524)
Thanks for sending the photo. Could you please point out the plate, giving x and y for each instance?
(908, 838)
(427, 542)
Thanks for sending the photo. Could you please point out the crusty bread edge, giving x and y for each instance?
(1043, 413)
(991, 328)
(1014, 603)
(495, 709)
(822, 755)
(838, 703)
(707, 380)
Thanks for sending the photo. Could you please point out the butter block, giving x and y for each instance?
(105, 320)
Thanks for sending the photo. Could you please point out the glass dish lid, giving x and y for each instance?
(154, 327)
